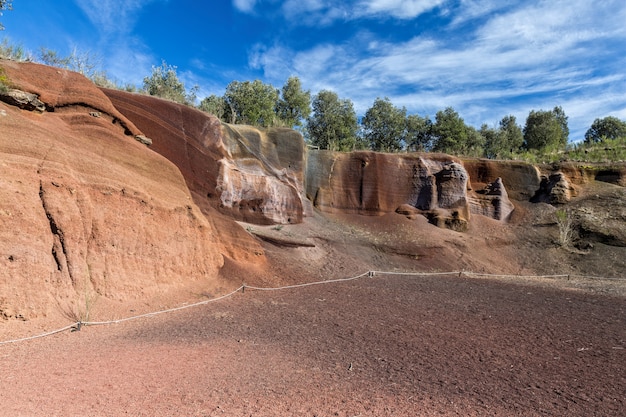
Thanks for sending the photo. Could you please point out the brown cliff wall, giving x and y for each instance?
(521, 180)
(375, 183)
(251, 174)
(87, 211)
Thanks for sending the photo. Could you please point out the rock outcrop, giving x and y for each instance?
(23, 100)
(492, 201)
(374, 184)
(554, 189)
(251, 174)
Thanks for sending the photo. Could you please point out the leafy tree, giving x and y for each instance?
(503, 141)
(451, 135)
(294, 106)
(214, 105)
(251, 103)
(513, 136)
(494, 141)
(609, 127)
(384, 126)
(546, 129)
(333, 123)
(474, 143)
(4, 5)
(418, 133)
(164, 83)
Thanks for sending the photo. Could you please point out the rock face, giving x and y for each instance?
(374, 184)
(251, 174)
(87, 211)
(554, 189)
(492, 201)
(521, 180)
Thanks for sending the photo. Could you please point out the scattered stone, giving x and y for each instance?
(23, 100)
(143, 139)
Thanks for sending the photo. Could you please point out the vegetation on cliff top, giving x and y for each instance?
(330, 122)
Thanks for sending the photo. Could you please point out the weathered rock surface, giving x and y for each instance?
(521, 180)
(601, 217)
(492, 201)
(554, 189)
(85, 210)
(251, 174)
(23, 100)
(374, 184)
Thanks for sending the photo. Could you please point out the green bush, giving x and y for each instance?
(5, 84)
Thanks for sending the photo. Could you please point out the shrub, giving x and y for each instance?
(566, 227)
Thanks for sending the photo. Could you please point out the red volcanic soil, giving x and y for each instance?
(387, 345)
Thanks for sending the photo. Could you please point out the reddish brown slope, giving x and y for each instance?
(86, 211)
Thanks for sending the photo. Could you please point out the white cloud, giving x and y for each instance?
(537, 55)
(112, 16)
(315, 12)
(244, 6)
(401, 9)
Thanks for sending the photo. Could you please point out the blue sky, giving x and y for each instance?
(486, 59)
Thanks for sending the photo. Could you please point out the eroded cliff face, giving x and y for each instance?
(374, 183)
(87, 211)
(248, 173)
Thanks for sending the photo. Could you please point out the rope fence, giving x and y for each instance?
(370, 274)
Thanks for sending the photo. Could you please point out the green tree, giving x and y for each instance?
(164, 83)
(418, 133)
(333, 124)
(494, 142)
(474, 144)
(513, 136)
(214, 105)
(609, 127)
(4, 5)
(503, 141)
(546, 130)
(251, 103)
(451, 135)
(294, 106)
(384, 126)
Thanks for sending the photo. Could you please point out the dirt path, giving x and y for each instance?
(382, 346)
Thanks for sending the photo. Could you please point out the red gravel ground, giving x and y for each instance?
(382, 346)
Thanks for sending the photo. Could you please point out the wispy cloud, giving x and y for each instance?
(326, 12)
(401, 9)
(128, 57)
(538, 54)
(112, 16)
(244, 6)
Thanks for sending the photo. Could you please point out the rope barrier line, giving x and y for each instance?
(25, 339)
(307, 284)
(242, 288)
(421, 274)
(478, 274)
(156, 313)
